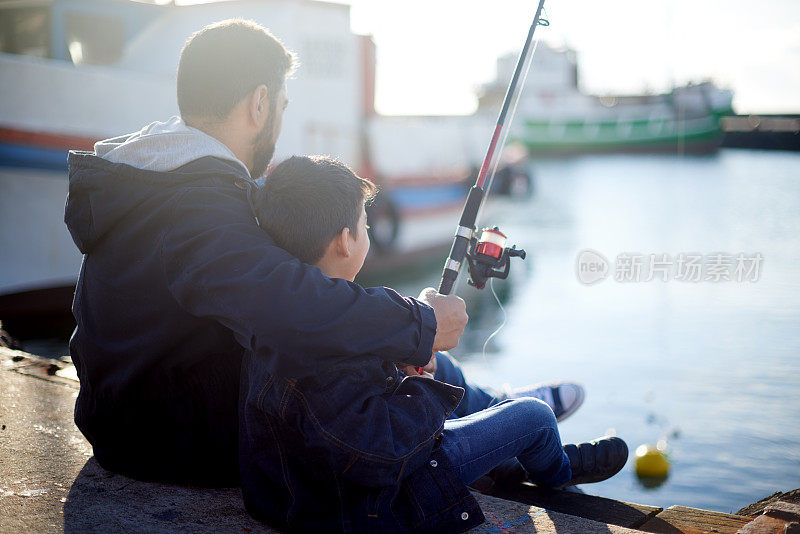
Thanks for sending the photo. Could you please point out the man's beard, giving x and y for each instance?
(264, 149)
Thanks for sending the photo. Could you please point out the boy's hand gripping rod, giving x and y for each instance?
(487, 256)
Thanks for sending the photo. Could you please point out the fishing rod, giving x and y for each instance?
(487, 256)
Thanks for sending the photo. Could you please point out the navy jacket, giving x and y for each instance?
(355, 448)
(178, 282)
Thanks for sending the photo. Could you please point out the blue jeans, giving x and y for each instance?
(485, 433)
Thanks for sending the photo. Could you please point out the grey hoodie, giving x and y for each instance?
(163, 146)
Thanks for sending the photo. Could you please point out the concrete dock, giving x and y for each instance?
(50, 482)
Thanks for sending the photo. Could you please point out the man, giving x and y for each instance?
(178, 280)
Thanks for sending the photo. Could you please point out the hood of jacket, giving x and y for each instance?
(122, 172)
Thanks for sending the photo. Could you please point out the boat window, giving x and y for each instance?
(94, 39)
(25, 31)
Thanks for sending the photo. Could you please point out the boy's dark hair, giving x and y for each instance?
(306, 201)
(225, 61)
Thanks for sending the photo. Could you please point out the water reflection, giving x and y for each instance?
(651, 483)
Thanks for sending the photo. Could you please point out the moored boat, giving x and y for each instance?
(557, 118)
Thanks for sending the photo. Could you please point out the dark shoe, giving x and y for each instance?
(597, 460)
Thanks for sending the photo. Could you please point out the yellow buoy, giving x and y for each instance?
(651, 461)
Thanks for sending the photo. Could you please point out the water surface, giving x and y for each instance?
(713, 367)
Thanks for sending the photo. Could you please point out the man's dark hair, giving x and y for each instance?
(306, 201)
(224, 62)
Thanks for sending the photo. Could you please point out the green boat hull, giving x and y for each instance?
(697, 134)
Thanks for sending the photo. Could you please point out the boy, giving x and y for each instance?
(357, 445)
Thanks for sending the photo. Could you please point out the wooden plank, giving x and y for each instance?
(509, 517)
(683, 520)
(592, 507)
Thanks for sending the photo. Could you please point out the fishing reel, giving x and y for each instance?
(488, 257)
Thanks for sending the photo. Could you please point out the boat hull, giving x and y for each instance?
(37, 250)
(697, 135)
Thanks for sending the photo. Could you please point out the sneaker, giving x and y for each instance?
(597, 460)
(562, 397)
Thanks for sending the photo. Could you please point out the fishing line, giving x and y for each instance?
(502, 324)
(499, 396)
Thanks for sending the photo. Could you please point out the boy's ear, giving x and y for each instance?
(342, 243)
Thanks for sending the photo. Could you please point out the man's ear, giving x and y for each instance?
(258, 105)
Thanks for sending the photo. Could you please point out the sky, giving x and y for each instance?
(433, 54)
